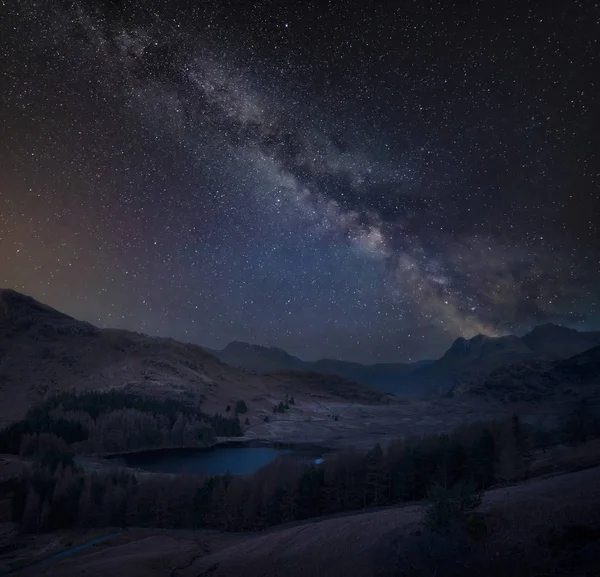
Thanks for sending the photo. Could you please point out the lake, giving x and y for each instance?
(217, 461)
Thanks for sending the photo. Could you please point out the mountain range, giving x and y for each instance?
(43, 352)
(465, 360)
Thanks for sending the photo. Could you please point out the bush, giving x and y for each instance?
(241, 407)
(449, 507)
(580, 425)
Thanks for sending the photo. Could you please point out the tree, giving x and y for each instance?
(86, 506)
(266, 419)
(309, 490)
(178, 431)
(377, 478)
(578, 425)
(32, 511)
(292, 401)
(281, 407)
(514, 452)
(448, 507)
(241, 407)
(482, 458)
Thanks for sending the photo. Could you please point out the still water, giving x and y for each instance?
(236, 460)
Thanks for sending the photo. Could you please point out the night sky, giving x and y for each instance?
(365, 181)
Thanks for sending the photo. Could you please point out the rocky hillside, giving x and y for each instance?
(560, 342)
(43, 352)
(564, 380)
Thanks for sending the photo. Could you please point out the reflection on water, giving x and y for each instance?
(235, 460)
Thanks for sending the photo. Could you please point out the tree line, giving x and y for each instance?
(56, 493)
(114, 421)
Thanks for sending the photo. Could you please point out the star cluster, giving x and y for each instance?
(358, 180)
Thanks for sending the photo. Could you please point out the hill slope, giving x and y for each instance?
(542, 527)
(537, 381)
(560, 342)
(43, 351)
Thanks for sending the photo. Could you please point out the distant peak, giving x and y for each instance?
(244, 346)
(550, 330)
(238, 345)
(22, 311)
(480, 338)
(459, 343)
(462, 343)
(551, 327)
(6, 293)
(13, 303)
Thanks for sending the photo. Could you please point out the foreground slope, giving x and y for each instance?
(43, 352)
(542, 527)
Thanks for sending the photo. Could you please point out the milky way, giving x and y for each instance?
(340, 179)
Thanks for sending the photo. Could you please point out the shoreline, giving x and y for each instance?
(223, 443)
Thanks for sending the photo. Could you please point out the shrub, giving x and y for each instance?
(241, 407)
(449, 507)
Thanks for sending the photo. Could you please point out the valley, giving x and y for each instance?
(222, 455)
(299, 289)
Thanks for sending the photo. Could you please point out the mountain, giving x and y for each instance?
(467, 359)
(259, 359)
(560, 342)
(464, 361)
(563, 380)
(265, 360)
(44, 351)
(470, 359)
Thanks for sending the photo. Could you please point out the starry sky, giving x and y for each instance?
(359, 180)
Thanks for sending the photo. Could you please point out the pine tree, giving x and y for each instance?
(85, 507)
(377, 477)
(482, 460)
(32, 512)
